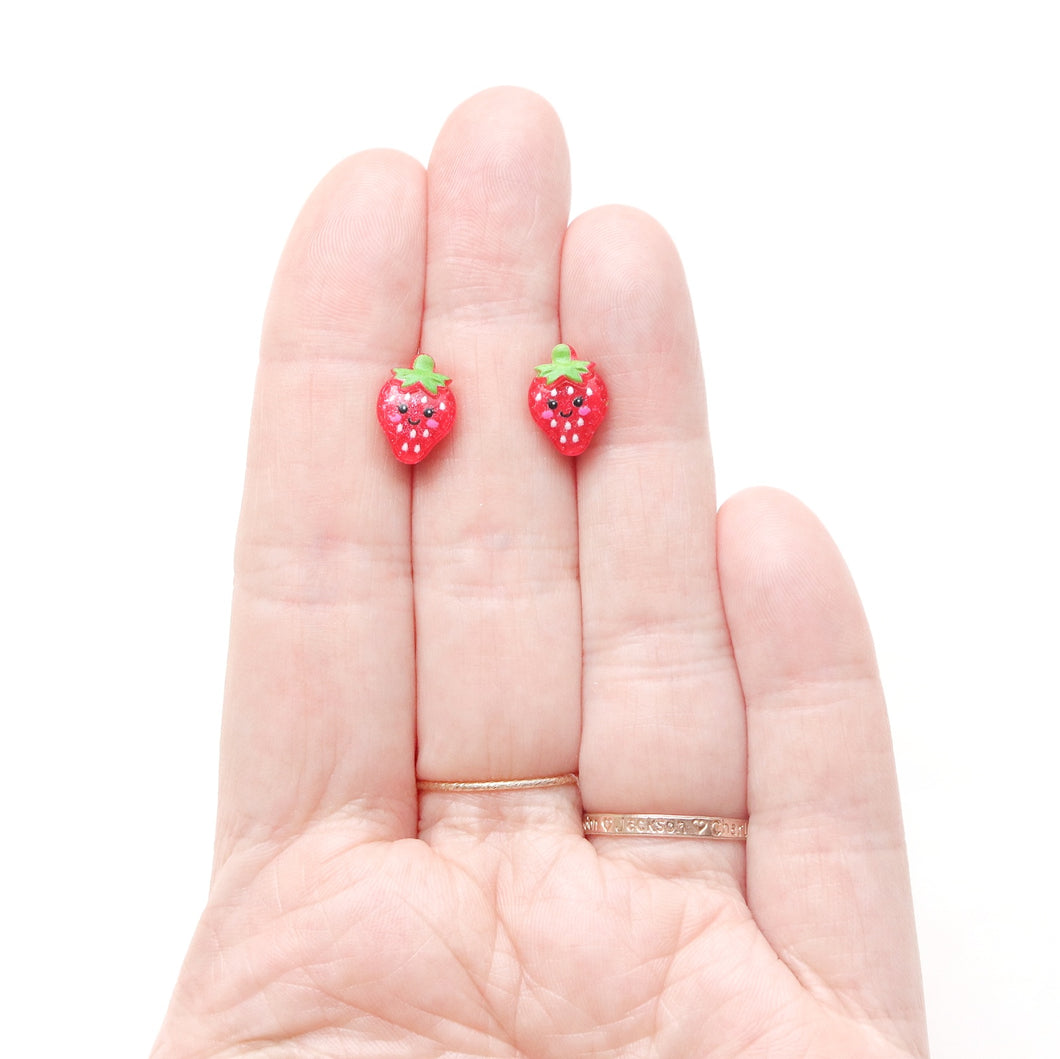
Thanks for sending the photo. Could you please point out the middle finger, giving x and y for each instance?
(494, 519)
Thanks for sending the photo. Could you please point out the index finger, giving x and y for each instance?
(319, 704)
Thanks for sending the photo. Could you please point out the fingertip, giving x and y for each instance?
(768, 512)
(625, 303)
(498, 196)
(496, 148)
(765, 536)
(382, 161)
(355, 251)
(510, 105)
(621, 264)
(625, 222)
(783, 580)
(369, 183)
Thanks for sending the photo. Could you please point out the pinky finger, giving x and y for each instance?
(827, 877)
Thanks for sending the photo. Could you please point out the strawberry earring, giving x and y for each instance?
(568, 401)
(416, 409)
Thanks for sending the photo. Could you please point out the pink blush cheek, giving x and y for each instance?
(394, 416)
(548, 413)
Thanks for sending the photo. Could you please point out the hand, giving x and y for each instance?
(501, 611)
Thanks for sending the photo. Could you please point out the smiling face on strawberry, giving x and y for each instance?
(568, 400)
(416, 409)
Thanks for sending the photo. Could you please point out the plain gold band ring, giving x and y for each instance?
(568, 779)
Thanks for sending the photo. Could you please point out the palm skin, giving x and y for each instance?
(499, 612)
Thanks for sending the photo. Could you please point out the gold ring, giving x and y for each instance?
(568, 779)
(722, 827)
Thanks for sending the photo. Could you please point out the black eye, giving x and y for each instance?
(553, 403)
(403, 408)
(578, 402)
(428, 412)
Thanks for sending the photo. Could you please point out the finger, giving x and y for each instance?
(320, 693)
(827, 878)
(663, 728)
(495, 549)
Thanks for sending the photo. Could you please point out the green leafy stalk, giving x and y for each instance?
(563, 366)
(423, 373)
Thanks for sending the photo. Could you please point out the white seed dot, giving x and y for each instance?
(570, 390)
(412, 433)
(405, 447)
(563, 439)
(581, 422)
(588, 391)
(537, 397)
(401, 427)
(574, 438)
(416, 449)
(426, 433)
(441, 407)
(554, 392)
(553, 422)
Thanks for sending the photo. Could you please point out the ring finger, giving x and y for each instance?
(663, 719)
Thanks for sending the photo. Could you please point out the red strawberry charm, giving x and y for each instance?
(416, 409)
(568, 401)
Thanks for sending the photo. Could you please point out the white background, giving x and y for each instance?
(866, 197)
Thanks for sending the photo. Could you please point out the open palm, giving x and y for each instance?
(501, 611)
